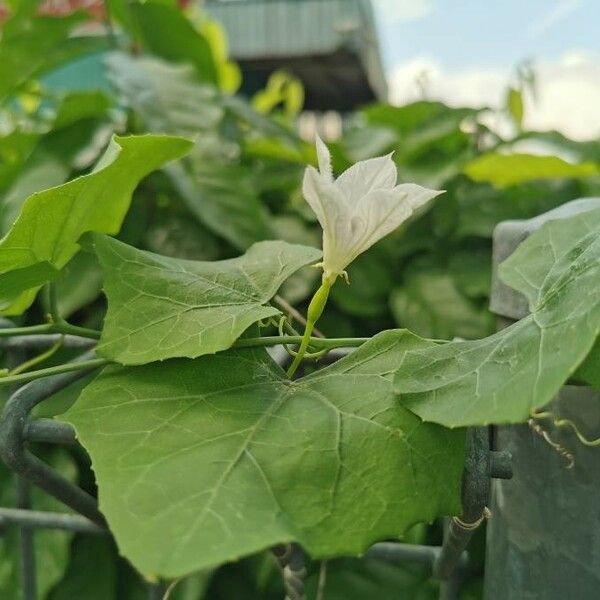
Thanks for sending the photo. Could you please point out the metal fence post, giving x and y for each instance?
(544, 538)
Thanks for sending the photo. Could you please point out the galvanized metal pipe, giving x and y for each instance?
(399, 553)
(49, 431)
(20, 460)
(35, 519)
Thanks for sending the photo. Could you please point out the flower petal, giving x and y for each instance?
(324, 158)
(366, 176)
(325, 200)
(311, 185)
(360, 208)
(380, 212)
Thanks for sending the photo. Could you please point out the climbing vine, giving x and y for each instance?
(212, 261)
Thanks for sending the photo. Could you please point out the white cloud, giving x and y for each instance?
(557, 13)
(396, 11)
(568, 91)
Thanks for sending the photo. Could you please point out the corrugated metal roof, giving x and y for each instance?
(272, 29)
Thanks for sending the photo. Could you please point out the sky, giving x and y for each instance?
(467, 52)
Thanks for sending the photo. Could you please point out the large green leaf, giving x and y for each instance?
(589, 371)
(230, 457)
(45, 236)
(430, 304)
(431, 146)
(25, 46)
(501, 378)
(224, 198)
(472, 209)
(160, 307)
(92, 572)
(167, 33)
(58, 152)
(352, 579)
(504, 170)
(168, 99)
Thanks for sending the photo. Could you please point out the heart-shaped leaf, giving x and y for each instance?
(502, 378)
(202, 461)
(160, 307)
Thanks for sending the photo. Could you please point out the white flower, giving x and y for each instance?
(359, 208)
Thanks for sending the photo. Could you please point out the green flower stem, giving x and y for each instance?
(314, 312)
(94, 363)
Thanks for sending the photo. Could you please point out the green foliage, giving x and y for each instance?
(282, 89)
(67, 147)
(31, 45)
(92, 572)
(183, 107)
(358, 579)
(206, 459)
(161, 307)
(514, 106)
(472, 210)
(502, 378)
(220, 194)
(272, 461)
(504, 170)
(51, 547)
(430, 303)
(45, 236)
(165, 32)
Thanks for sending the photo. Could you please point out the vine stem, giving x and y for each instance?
(59, 323)
(322, 343)
(562, 422)
(56, 323)
(94, 363)
(36, 360)
(60, 327)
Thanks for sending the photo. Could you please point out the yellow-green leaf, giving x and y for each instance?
(503, 170)
(45, 235)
